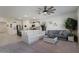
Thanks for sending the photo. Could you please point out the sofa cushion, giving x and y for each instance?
(52, 33)
(61, 32)
(57, 33)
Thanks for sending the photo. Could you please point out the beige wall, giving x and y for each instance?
(59, 20)
(5, 25)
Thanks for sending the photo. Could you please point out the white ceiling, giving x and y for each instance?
(19, 11)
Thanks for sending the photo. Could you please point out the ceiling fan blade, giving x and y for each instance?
(52, 12)
(53, 9)
(50, 7)
(45, 7)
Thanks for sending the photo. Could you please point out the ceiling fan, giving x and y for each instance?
(46, 10)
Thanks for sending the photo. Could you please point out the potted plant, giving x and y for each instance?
(71, 24)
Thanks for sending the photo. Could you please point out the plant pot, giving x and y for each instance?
(71, 38)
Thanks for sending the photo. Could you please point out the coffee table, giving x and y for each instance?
(51, 40)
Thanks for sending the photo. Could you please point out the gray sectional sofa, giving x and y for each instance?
(61, 34)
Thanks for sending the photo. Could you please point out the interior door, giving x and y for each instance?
(3, 28)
